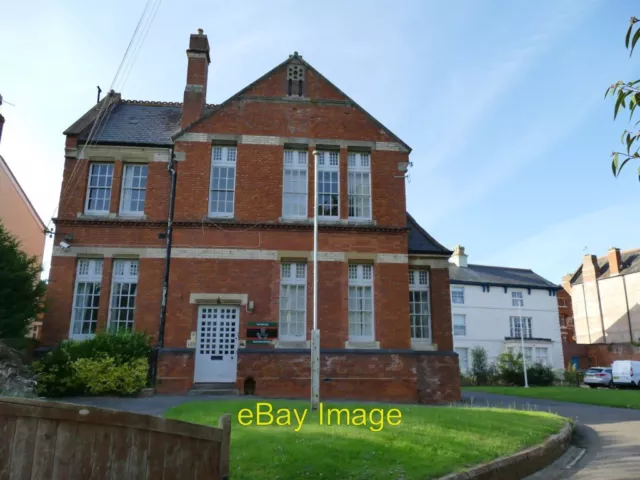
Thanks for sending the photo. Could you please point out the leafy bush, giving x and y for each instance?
(65, 370)
(479, 365)
(573, 376)
(102, 376)
(511, 371)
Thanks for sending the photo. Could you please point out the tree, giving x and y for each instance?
(627, 96)
(21, 290)
(479, 365)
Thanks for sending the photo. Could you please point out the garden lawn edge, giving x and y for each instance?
(523, 463)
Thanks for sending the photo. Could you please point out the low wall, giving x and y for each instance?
(371, 375)
(45, 440)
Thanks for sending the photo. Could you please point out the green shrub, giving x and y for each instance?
(58, 371)
(511, 371)
(479, 365)
(103, 376)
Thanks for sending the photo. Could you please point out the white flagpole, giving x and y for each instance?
(524, 356)
(315, 333)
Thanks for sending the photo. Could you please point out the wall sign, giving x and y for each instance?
(262, 331)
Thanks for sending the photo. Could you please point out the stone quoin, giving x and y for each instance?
(239, 299)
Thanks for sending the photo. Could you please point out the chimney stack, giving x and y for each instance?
(566, 282)
(615, 261)
(459, 258)
(195, 92)
(590, 268)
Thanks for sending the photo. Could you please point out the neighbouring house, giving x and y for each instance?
(240, 279)
(21, 220)
(18, 215)
(496, 307)
(605, 298)
(567, 329)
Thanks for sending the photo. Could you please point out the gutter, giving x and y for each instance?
(167, 264)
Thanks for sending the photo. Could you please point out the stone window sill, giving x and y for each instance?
(292, 344)
(362, 345)
(423, 345)
(110, 216)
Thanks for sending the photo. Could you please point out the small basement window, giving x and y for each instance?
(295, 80)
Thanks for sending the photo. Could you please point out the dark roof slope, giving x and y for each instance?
(501, 276)
(421, 242)
(630, 264)
(129, 122)
(138, 123)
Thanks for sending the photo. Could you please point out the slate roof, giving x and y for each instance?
(131, 122)
(630, 264)
(420, 242)
(498, 276)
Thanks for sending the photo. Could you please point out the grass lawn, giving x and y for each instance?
(429, 441)
(599, 396)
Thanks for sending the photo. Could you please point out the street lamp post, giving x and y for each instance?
(315, 333)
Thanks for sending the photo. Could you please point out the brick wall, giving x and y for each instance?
(326, 116)
(389, 377)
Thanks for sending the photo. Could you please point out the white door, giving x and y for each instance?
(217, 344)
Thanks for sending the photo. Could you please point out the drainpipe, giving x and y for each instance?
(167, 264)
(626, 302)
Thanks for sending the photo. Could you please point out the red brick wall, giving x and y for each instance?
(565, 310)
(259, 200)
(381, 376)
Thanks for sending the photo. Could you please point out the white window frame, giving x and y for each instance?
(546, 355)
(463, 367)
(459, 290)
(293, 275)
(125, 209)
(359, 166)
(88, 273)
(464, 324)
(90, 188)
(515, 325)
(327, 164)
(295, 163)
(125, 272)
(528, 355)
(227, 158)
(517, 299)
(360, 280)
(419, 299)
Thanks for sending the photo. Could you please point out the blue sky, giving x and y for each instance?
(502, 102)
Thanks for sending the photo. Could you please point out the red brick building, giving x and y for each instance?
(239, 298)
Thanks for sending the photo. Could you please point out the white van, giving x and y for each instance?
(626, 373)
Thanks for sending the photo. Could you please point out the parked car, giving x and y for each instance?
(626, 373)
(598, 377)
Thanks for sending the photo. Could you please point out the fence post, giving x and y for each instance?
(225, 424)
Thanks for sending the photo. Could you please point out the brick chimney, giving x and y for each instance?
(590, 268)
(615, 261)
(459, 258)
(195, 92)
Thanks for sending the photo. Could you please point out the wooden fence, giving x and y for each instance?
(51, 440)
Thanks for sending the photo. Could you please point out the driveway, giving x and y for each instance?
(611, 436)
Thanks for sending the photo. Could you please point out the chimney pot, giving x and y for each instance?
(1, 125)
(200, 31)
